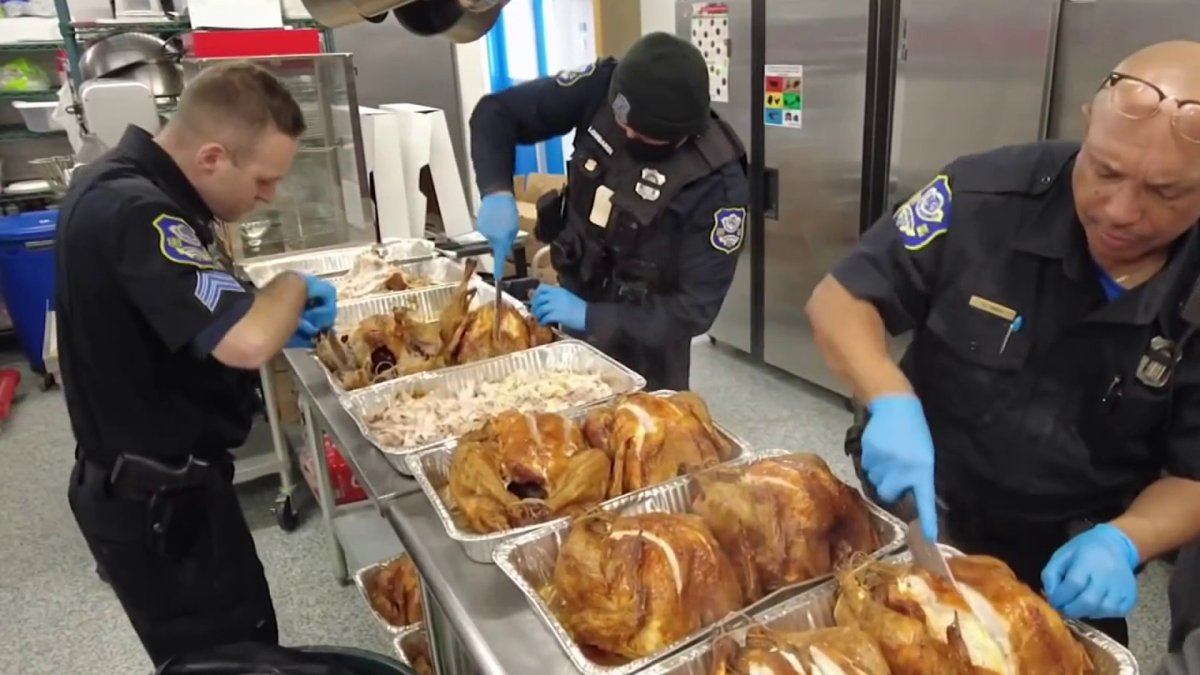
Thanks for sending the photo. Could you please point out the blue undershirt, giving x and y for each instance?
(1112, 290)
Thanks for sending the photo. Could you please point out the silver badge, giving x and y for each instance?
(654, 177)
(1154, 369)
(620, 107)
(648, 193)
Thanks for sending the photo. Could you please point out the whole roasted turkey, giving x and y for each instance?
(522, 469)
(395, 592)
(386, 346)
(825, 651)
(653, 439)
(996, 626)
(630, 586)
(784, 520)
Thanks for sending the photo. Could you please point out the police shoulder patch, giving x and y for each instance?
(211, 285)
(926, 215)
(178, 243)
(567, 78)
(729, 228)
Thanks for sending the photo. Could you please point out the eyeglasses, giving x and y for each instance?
(1138, 99)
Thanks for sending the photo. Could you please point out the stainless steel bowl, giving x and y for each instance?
(164, 77)
(122, 50)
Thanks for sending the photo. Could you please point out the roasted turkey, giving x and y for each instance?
(386, 346)
(630, 586)
(997, 626)
(416, 650)
(522, 469)
(826, 651)
(653, 439)
(372, 273)
(784, 520)
(395, 592)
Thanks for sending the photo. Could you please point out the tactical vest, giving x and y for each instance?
(607, 244)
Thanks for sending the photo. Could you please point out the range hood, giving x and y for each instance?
(455, 20)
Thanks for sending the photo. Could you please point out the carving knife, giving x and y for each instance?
(927, 555)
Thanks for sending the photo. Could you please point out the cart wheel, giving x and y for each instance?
(48, 382)
(285, 515)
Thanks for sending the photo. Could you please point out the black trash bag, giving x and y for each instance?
(263, 659)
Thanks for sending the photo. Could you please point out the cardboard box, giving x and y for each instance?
(528, 190)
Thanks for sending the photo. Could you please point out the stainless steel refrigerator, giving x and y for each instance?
(891, 90)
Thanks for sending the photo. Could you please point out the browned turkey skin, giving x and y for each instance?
(395, 592)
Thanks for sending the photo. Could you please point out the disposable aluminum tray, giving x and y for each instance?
(406, 641)
(426, 303)
(437, 271)
(363, 579)
(431, 469)
(565, 355)
(332, 260)
(814, 609)
(528, 560)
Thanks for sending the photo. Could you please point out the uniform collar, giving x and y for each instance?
(139, 146)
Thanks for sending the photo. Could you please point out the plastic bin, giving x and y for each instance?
(27, 277)
(38, 115)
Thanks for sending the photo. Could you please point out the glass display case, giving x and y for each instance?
(325, 200)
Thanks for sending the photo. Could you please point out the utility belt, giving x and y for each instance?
(171, 493)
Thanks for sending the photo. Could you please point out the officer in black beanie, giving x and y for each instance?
(645, 236)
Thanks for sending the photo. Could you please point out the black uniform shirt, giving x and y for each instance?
(141, 304)
(706, 220)
(1057, 423)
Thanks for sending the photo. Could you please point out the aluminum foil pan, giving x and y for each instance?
(565, 355)
(814, 609)
(406, 641)
(332, 260)
(426, 303)
(528, 560)
(363, 580)
(437, 271)
(431, 469)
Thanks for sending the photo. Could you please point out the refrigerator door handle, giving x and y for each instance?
(770, 193)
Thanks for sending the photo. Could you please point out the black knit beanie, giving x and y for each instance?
(660, 88)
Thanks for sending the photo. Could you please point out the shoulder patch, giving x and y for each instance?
(210, 286)
(179, 244)
(567, 78)
(926, 215)
(729, 228)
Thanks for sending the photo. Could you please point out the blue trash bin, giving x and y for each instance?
(27, 277)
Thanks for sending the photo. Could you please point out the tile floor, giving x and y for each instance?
(56, 618)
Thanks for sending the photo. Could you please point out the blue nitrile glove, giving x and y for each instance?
(320, 309)
(499, 223)
(897, 455)
(552, 304)
(1092, 576)
(304, 336)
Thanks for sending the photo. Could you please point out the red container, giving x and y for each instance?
(217, 44)
(346, 489)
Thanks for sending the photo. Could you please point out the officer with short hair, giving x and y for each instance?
(159, 345)
(645, 236)
(1051, 364)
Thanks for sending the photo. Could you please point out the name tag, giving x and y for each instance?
(601, 206)
(993, 308)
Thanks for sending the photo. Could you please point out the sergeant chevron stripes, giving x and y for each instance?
(210, 286)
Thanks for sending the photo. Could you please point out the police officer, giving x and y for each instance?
(1050, 365)
(645, 236)
(158, 348)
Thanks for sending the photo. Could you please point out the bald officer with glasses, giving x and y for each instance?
(1048, 407)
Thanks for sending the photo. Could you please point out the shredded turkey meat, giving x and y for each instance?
(414, 419)
(371, 274)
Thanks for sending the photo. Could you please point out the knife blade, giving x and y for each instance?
(927, 555)
(499, 299)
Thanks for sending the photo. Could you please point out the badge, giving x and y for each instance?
(729, 225)
(210, 286)
(926, 215)
(1154, 369)
(646, 192)
(620, 107)
(179, 244)
(567, 78)
(654, 177)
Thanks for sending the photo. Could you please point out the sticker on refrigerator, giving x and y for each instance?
(784, 96)
(710, 34)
